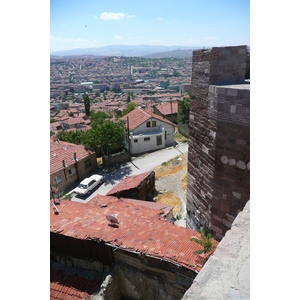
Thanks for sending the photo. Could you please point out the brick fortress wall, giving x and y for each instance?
(219, 146)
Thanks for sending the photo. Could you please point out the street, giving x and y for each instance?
(138, 165)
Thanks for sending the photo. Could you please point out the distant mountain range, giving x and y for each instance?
(130, 51)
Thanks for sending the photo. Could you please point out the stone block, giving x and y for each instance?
(227, 223)
(232, 92)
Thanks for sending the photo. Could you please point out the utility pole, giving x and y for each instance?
(128, 139)
(171, 111)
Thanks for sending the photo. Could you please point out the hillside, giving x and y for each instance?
(127, 50)
(174, 53)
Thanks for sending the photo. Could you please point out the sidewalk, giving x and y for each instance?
(137, 166)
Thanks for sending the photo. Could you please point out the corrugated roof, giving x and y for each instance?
(165, 108)
(141, 229)
(129, 182)
(71, 286)
(60, 151)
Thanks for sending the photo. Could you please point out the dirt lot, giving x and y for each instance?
(171, 182)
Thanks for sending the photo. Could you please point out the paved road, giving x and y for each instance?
(138, 165)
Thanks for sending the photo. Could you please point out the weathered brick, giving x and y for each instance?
(224, 112)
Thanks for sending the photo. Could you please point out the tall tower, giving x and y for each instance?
(219, 146)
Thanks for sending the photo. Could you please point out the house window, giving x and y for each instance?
(87, 163)
(146, 139)
(57, 179)
(158, 140)
(72, 172)
(153, 123)
(165, 135)
(135, 140)
(148, 124)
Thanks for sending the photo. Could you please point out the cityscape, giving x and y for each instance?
(149, 150)
(125, 136)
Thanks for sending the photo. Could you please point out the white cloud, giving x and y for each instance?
(108, 16)
(117, 37)
(160, 19)
(211, 38)
(58, 43)
(112, 16)
(130, 16)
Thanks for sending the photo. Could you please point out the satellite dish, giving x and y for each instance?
(113, 220)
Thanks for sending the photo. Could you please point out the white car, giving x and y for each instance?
(88, 184)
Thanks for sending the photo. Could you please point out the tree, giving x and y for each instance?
(97, 118)
(130, 106)
(184, 109)
(86, 100)
(105, 136)
(205, 241)
(71, 136)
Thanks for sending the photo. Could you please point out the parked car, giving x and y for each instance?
(88, 184)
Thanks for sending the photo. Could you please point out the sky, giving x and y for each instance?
(87, 24)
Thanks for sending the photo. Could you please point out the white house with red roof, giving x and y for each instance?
(147, 131)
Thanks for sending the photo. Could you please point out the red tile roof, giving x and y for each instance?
(74, 121)
(129, 182)
(139, 116)
(60, 151)
(141, 229)
(165, 108)
(71, 286)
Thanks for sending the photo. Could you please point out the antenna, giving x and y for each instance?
(113, 220)
(55, 209)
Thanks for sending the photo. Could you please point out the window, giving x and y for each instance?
(153, 123)
(148, 124)
(135, 140)
(146, 139)
(57, 179)
(92, 182)
(87, 163)
(165, 135)
(72, 172)
(158, 140)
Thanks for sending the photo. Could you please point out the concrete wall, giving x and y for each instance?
(118, 158)
(145, 277)
(219, 139)
(226, 274)
(142, 132)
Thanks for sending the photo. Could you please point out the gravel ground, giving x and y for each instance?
(172, 183)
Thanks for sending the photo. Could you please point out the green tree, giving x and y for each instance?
(205, 241)
(72, 136)
(105, 136)
(87, 106)
(184, 109)
(97, 118)
(130, 106)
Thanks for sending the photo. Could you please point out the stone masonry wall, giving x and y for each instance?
(226, 274)
(219, 145)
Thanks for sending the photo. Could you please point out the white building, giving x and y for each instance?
(147, 131)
